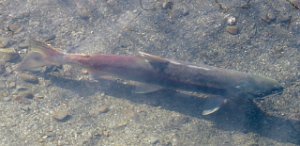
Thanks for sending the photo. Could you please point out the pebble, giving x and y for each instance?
(15, 28)
(61, 115)
(269, 17)
(279, 50)
(29, 78)
(24, 97)
(12, 84)
(27, 95)
(8, 55)
(153, 140)
(4, 42)
(105, 132)
(167, 4)
(24, 44)
(103, 109)
(7, 98)
(98, 110)
(121, 124)
(8, 69)
(232, 29)
(4, 94)
(83, 11)
(22, 88)
(231, 20)
(39, 97)
(179, 11)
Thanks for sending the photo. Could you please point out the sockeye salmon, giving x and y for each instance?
(158, 72)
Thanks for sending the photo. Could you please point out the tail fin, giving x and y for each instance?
(41, 55)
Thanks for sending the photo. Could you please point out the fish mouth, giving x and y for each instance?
(277, 91)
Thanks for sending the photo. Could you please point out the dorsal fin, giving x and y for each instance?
(43, 48)
(158, 63)
(152, 58)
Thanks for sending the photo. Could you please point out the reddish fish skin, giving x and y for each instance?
(167, 73)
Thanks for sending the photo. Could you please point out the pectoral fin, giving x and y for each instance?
(213, 104)
(141, 88)
(96, 75)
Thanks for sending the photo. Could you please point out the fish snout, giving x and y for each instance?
(278, 89)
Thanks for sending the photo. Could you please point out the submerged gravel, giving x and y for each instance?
(68, 109)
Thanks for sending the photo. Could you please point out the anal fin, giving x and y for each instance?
(96, 75)
(141, 88)
(213, 104)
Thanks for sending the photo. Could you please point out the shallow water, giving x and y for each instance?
(64, 106)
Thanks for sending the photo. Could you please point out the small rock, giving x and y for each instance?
(83, 11)
(39, 97)
(232, 29)
(167, 4)
(8, 69)
(103, 109)
(105, 133)
(12, 84)
(7, 98)
(279, 50)
(27, 95)
(15, 28)
(98, 110)
(121, 124)
(29, 78)
(4, 94)
(24, 44)
(179, 12)
(153, 140)
(231, 20)
(4, 42)
(61, 115)
(25, 109)
(22, 88)
(269, 17)
(84, 14)
(24, 97)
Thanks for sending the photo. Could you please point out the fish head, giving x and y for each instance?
(258, 87)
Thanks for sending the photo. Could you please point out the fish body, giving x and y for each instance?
(160, 72)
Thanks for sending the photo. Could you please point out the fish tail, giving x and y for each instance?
(41, 54)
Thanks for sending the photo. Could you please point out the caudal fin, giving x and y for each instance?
(40, 55)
